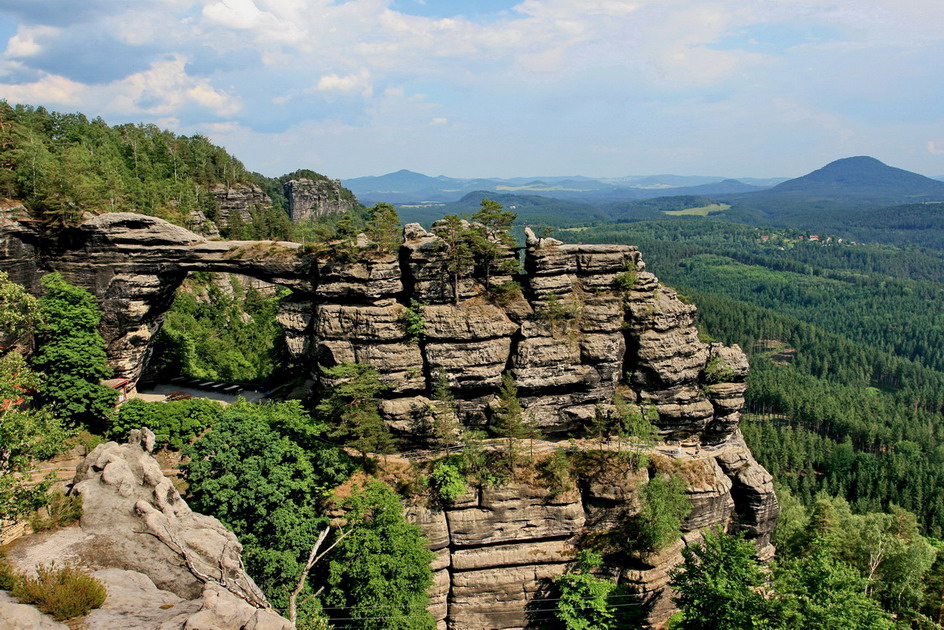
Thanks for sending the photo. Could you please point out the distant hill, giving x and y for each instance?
(409, 187)
(853, 183)
(531, 209)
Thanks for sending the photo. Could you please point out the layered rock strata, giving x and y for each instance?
(309, 199)
(239, 199)
(588, 323)
(499, 548)
(586, 317)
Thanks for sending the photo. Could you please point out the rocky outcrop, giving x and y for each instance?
(165, 567)
(134, 264)
(238, 200)
(586, 323)
(497, 547)
(586, 317)
(310, 199)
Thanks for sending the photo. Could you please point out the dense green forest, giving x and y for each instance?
(64, 165)
(220, 330)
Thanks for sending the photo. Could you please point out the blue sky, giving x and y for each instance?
(498, 88)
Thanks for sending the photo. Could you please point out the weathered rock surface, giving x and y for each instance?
(17, 616)
(238, 200)
(588, 323)
(165, 566)
(499, 547)
(308, 199)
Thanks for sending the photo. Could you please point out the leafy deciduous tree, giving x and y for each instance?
(71, 354)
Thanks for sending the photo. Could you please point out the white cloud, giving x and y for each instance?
(161, 90)
(653, 77)
(357, 82)
(239, 14)
(25, 44)
(49, 89)
(933, 149)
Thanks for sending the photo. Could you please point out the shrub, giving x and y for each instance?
(8, 577)
(412, 320)
(61, 510)
(447, 482)
(718, 371)
(505, 293)
(625, 281)
(557, 310)
(63, 593)
(555, 472)
(665, 506)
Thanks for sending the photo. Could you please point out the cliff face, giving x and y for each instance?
(497, 548)
(588, 323)
(308, 199)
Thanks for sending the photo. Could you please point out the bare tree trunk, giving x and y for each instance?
(313, 558)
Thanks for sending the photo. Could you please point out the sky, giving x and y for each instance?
(500, 88)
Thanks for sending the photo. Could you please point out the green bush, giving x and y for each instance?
(664, 508)
(63, 593)
(625, 281)
(718, 371)
(412, 320)
(447, 482)
(555, 471)
(174, 424)
(505, 293)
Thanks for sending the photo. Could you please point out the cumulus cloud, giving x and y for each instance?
(161, 90)
(25, 44)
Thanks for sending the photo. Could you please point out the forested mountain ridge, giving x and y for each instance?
(66, 166)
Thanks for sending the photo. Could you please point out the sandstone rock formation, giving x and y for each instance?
(498, 547)
(239, 199)
(165, 566)
(589, 322)
(308, 199)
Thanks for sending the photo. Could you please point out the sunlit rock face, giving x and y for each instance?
(588, 323)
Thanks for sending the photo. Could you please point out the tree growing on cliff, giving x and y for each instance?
(584, 602)
(721, 585)
(665, 506)
(509, 420)
(350, 405)
(383, 227)
(71, 354)
(490, 239)
(458, 257)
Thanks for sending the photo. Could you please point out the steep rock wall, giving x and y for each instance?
(589, 322)
(498, 548)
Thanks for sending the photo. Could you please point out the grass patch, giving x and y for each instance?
(700, 211)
